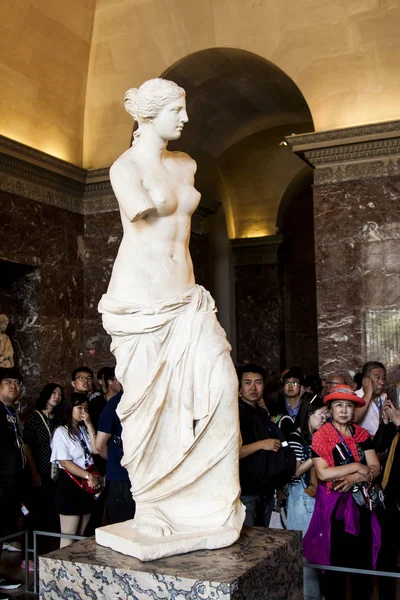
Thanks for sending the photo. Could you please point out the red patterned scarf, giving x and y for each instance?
(326, 438)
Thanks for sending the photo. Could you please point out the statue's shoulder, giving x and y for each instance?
(126, 164)
(185, 160)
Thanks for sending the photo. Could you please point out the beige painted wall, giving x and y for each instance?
(344, 55)
(44, 57)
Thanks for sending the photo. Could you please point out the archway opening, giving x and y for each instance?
(240, 107)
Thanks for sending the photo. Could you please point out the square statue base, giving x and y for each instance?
(264, 564)
(123, 538)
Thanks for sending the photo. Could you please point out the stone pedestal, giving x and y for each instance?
(262, 565)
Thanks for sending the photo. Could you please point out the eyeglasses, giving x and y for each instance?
(83, 378)
(12, 382)
(291, 383)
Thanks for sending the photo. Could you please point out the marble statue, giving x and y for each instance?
(179, 408)
(6, 349)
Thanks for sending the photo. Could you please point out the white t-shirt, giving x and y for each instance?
(372, 417)
(64, 447)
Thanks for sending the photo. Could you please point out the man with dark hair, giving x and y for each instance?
(110, 386)
(331, 381)
(12, 462)
(82, 380)
(374, 379)
(260, 438)
(120, 504)
(293, 381)
(109, 383)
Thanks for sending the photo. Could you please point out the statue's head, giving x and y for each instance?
(144, 103)
(3, 323)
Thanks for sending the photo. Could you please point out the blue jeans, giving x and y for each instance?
(300, 509)
(258, 510)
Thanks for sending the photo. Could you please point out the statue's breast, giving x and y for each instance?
(170, 197)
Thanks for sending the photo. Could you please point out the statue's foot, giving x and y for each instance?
(153, 529)
(151, 522)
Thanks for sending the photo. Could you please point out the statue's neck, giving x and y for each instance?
(150, 143)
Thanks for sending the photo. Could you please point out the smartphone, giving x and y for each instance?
(393, 393)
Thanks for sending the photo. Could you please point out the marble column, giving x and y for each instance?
(259, 301)
(357, 232)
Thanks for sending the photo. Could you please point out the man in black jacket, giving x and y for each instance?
(261, 438)
(12, 462)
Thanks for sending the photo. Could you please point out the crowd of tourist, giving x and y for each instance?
(342, 482)
(60, 463)
(323, 453)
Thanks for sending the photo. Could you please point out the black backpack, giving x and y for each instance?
(272, 470)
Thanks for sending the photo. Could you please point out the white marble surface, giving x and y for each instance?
(179, 410)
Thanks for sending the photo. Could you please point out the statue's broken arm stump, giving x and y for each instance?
(261, 565)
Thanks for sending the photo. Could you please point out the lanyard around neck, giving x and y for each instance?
(349, 452)
(82, 441)
(13, 419)
(18, 441)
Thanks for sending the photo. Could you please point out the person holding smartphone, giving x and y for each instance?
(73, 446)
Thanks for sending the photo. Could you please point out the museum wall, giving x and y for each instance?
(44, 59)
(356, 196)
(357, 231)
(41, 264)
(259, 301)
(343, 56)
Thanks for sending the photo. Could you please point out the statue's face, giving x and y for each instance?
(171, 119)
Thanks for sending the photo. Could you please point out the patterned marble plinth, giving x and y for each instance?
(261, 565)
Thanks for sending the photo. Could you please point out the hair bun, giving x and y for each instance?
(129, 101)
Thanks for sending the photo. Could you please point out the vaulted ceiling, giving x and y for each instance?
(253, 70)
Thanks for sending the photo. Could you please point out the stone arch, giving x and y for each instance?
(240, 106)
(232, 96)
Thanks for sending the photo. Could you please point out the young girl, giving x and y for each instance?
(72, 447)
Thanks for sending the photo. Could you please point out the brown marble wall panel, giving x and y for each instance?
(357, 234)
(103, 234)
(258, 315)
(200, 251)
(49, 238)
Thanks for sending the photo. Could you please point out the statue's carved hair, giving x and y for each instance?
(144, 103)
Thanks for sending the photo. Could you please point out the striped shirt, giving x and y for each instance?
(296, 443)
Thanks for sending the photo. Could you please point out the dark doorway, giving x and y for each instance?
(19, 300)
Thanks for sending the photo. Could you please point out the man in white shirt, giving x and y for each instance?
(374, 379)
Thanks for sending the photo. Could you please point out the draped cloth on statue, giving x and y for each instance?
(179, 413)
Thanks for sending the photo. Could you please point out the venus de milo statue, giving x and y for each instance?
(179, 407)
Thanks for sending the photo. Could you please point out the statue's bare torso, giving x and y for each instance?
(157, 198)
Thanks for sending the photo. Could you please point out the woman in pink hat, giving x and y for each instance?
(342, 532)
